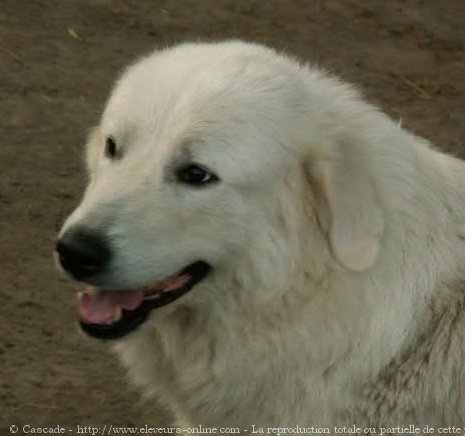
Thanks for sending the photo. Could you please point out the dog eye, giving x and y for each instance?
(195, 175)
(110, 148)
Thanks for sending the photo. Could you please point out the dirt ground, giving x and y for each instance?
(58, 59)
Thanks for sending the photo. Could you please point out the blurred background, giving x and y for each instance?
(58, 59)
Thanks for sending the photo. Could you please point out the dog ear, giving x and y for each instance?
(93, 148)
(356, 221)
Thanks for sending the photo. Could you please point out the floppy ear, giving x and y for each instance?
(93, 148)
(356, 221)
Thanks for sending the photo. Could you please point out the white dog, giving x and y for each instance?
(270, 250)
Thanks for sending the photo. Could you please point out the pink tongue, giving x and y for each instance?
(99, 306)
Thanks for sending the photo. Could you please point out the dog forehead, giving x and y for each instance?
(230, 105)
(196, 84)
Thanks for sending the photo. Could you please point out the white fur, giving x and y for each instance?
(336, 239)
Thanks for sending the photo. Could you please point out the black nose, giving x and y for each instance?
(83, 252)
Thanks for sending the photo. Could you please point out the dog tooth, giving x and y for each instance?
(116, 317)
(118, 314)
(153, 296)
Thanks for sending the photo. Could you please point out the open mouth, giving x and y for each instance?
(108, 314)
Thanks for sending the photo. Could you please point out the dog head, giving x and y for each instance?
(215, 166)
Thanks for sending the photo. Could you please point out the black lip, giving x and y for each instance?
(130, 320)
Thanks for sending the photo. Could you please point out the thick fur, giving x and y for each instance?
(336, 239)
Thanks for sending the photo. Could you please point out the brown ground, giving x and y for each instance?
(58, 59)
